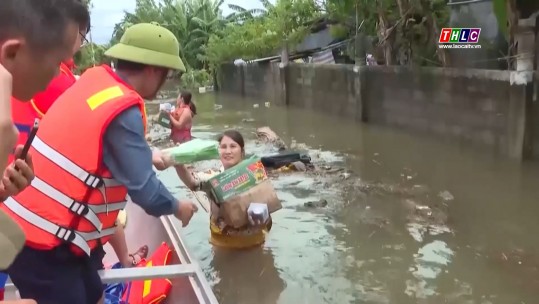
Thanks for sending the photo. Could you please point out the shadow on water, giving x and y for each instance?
(418, 220)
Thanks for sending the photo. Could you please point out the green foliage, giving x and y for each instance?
(500, 10)
(259, 33)
(193, 79)
(339, 31)
(192, 21)
(406, 33)
(207, 38)
(252, 39)
(90, 55)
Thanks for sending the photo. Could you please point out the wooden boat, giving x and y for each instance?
(189, 285)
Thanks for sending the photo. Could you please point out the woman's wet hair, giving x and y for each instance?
(235, 136)
(187, 99)
(186, 96)
(193, 108)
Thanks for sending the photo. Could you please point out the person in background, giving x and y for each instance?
(35, 36)
(83, 178)
(232, 152)
(42, 101)
(24, 113)
(181, 119)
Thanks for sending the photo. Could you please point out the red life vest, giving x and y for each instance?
(24, 113)
(74, 197)
(42, 101)
(151, 291)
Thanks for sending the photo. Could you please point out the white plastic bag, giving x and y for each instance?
(258, 214)
(167, 107)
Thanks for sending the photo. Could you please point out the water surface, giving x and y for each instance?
(418, 220)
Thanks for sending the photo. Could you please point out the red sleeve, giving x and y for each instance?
(42, 101)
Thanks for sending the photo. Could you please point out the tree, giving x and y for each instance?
(191, 21)
(406, 31)
(259, 33)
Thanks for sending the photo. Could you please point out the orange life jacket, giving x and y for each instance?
(151, 291)
(74, 197)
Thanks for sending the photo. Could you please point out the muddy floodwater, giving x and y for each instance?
(408, 219)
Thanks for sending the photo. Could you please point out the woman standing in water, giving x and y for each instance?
(181, 119)
(257, 265)
(232, 152)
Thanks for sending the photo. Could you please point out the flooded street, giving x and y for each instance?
(408, 220)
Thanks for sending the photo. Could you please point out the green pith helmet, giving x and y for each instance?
(150, 44)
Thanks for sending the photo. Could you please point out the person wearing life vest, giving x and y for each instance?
(24, 114)
(35, 36)
(89, 153)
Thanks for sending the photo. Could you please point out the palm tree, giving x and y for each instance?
(191, 21)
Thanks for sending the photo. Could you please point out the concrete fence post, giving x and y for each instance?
(284, 78)
(359, 87)
(242, 80)
(526, 64)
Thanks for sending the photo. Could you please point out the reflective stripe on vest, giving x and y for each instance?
(76, 238)
(89, 212)
(72, 168)
(73, 197)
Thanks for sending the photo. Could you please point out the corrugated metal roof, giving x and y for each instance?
(315, 41)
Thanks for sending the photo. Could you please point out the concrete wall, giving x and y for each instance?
(476, 107)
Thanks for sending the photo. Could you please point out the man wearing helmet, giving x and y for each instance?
(89, 153)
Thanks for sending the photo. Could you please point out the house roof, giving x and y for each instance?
(316, 40)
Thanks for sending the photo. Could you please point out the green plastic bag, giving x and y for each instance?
(193, 151)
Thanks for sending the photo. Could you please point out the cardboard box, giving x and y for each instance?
(236, 188)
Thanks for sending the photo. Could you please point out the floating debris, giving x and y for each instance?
(446, 196)
(316, 204)
(266, 135)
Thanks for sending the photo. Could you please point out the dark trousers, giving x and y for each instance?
(58, 276)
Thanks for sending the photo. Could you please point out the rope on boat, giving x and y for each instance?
(204, 206)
